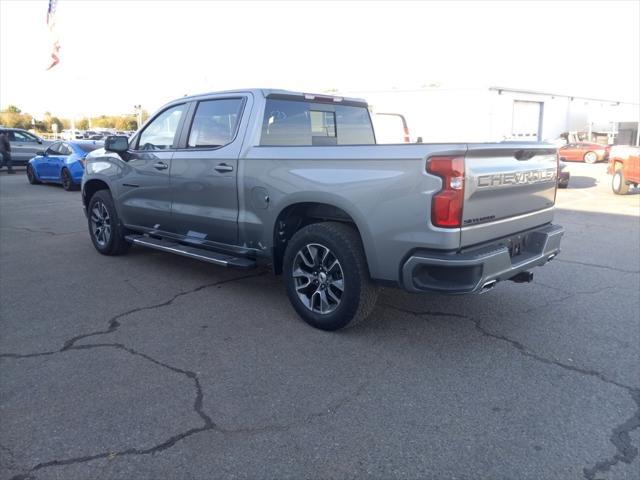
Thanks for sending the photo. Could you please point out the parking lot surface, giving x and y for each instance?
(152, 366)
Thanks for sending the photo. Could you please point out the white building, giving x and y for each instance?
(500, 113)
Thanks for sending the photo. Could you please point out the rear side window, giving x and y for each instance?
(215, 122)
(160, 133)
(291, 123)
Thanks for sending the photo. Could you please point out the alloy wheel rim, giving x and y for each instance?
(100, 224)
(591, 157)
(318, 278)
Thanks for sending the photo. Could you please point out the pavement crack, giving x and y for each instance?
(620, 436)
(426, 313)
(113, 325)
(46, 232)
(331, 410)
(208, 423)
(596, 265)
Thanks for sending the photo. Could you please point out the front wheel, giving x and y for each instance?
(590, 157)
(327, 277)
(618, 183)
(105, 229)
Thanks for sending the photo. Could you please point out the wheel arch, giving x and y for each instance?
(90, 188)
(297, 215)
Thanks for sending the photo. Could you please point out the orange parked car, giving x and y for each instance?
(584, 152)
(624, 165)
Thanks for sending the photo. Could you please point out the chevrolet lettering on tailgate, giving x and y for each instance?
(518, 178)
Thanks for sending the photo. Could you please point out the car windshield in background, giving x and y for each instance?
(90, 147)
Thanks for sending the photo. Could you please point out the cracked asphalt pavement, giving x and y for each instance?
(152, 366)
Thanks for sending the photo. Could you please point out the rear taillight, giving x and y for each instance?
(446, 205)
(83, 161)
(407, 138)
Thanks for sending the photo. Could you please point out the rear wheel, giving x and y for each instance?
(105, 229)
(67, 181)
(590, 157)
(31, 176)
(618, 183)
(327, 277)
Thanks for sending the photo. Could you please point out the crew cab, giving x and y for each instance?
(624, 165)
(297, 181)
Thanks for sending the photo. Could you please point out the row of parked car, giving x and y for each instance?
(63, 161)
(93, 134)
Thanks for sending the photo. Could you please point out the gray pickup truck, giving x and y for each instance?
(297, 181)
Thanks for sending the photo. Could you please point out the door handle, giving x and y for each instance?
(160, 166)
(223, 167)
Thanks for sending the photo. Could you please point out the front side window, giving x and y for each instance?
(23, 137)
(160, 133)
(66, 149)
(214, 124)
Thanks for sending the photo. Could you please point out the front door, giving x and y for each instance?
(24, 146)
(43, 164)
(143, 189)
(204, 171)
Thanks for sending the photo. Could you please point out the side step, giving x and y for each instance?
(192, 252)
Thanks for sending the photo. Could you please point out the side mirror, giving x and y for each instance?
(40, 141)
(115, 143)
(41, 153)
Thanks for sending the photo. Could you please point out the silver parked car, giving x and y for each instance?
(24, 144)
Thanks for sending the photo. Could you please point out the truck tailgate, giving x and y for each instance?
(509, 188)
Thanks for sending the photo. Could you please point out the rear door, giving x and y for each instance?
(509, 188)
(204, 189)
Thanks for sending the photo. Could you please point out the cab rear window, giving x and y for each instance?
(302, 123)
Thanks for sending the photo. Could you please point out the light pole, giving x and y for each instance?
(138, 110)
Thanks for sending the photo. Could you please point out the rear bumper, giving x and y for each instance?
(476, 269)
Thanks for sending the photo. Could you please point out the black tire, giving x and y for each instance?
(67, 181)
(359, 293)
(591, 157)
(102, 214)
(619, 184)
(31, 176)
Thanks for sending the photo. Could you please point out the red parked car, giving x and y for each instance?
(624, 165)
(584, 152)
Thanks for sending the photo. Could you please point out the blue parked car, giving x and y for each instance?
(62, 162)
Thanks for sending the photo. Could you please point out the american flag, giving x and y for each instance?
(51, 24)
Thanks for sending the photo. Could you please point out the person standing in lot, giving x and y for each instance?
(5, 150)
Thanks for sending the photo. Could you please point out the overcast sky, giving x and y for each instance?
(119, 53)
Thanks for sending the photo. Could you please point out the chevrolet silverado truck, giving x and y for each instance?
(297, 181)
